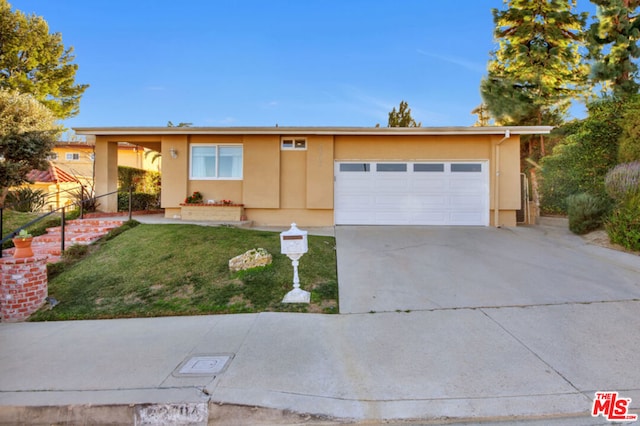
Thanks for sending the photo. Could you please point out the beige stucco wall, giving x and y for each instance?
(106, 173)
(279, 187)
(261, 171)
(319, 172)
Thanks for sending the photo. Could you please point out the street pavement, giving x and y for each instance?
(437, 325)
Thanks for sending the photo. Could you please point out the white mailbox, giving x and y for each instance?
(294, 244)
(294, 241)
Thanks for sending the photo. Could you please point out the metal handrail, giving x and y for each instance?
(62, 219)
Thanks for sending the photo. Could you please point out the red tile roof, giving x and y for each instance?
(54, 175)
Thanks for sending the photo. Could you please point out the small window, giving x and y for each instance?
(294, 143)
(468, 167)
(428, 167)
(391, 167)
(53, 156)
(72, 156)
(355, 167)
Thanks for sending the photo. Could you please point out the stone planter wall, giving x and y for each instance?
(212, 212)
(23, 287)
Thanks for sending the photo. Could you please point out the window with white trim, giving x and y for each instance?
(293, 143)
(209, 162)
(72, 156)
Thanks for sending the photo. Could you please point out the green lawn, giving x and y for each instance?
(12, 220)
(163, 270)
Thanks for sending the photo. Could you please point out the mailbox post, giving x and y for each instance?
(293, 243)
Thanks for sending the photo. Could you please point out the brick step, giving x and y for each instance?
(76, 232)
(80, 230)
(96, 222)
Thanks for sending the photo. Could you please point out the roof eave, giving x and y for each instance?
(364, 131)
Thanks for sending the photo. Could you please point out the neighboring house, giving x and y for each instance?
(138, 157)
(71, 165)
(321, 176)
(54, 181)
(74, 158)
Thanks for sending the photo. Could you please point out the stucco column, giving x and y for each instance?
(175, 167)
(106, 178)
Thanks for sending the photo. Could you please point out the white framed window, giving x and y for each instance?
(53, 156)
(212, 161)
(293, 143)
(72, 156)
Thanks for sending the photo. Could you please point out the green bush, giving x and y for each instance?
(141, 180)
(623, 225)
(630, 139)
(581, 161)
(586, 212)
(623, 181)
(140, 201)
(26, 199)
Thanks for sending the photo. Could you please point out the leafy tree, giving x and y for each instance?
(402, 117)
(34, 61)
(537, 69)
(27, 136)
(484, 117)
(613, 44)
(629, 149)
(579, 164)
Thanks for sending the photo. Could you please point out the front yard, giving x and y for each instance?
(164, 270)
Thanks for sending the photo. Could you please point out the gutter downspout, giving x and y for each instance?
(496, 189)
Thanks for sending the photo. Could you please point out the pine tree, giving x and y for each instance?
(613, 45)
(402, 117)
(536, 70)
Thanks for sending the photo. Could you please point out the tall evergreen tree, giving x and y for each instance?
(613, 45)
(34, 61)
(402, 117)
(537, 69)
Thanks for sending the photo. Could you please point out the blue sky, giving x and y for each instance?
(285, 62)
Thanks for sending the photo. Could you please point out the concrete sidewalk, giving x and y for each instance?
(453, 361)
(469, 364)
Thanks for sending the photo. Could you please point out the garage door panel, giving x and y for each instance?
(439, 193)
(466, 202)
(427, 185)
(392, 201)
(356, 202)
(392, 185)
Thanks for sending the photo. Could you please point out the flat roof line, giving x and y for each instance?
(488, 130)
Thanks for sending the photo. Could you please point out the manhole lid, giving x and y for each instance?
(203, 365)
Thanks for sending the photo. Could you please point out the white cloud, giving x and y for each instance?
(461, 62)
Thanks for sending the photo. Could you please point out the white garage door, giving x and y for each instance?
(412, 193)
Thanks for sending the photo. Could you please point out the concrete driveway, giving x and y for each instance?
(400, 268)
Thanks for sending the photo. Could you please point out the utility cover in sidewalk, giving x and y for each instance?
(203, 365)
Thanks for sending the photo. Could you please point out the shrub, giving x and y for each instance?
(623, 225)
(84, 195)
(26, 199)
(581, 161)
(629, 150)
(140, 201)
(586, 212)
(623, 181)
(141, 180)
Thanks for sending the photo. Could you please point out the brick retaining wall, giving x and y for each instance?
(23, 287)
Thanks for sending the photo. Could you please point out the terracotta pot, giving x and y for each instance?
(23, 247)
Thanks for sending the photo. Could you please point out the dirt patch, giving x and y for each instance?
(600, 238)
